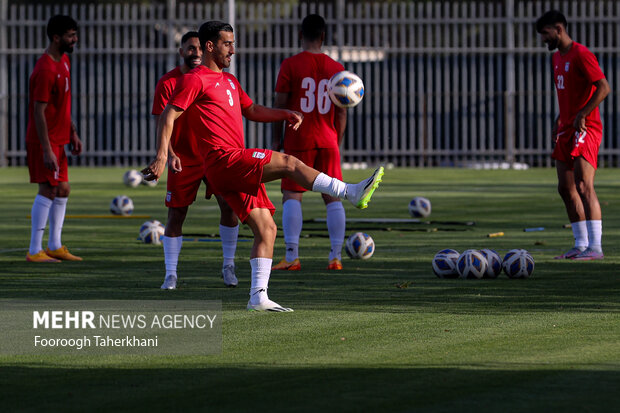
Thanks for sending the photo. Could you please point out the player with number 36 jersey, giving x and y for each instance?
(302, 86)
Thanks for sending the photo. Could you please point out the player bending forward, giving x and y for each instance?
(214, 103)
(581, 87)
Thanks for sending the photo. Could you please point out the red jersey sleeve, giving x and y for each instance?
(187, 90)
(590, 67)
(42, 85)
(162, 95)
(244, 100)
(283, 83)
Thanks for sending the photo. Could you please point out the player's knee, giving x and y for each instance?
(584, 188)
(291, 163)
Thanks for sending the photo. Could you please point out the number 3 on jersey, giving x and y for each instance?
(230, 99)
(315, 97)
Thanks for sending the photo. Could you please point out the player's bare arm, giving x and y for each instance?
(280, 102)
(259, 113)
(49, 158)
(601, 92)
(164, 133)
(174, 162)
(340, 122)
(74, 140)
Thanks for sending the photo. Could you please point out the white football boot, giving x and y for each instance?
(170, 283)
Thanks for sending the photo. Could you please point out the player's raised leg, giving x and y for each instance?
(265, 230)
(229, 233)
(287, 166)
(584, 182)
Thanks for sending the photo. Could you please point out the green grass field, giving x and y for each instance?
(356, 342)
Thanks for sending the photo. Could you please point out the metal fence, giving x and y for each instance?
(447, 82)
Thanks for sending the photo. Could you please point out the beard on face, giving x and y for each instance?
(67, 47)
(189, 61)
(552, 44)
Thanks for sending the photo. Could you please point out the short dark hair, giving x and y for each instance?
(312, 27)
(552, 17)
(189, 35)
(59, 25)
(210, 31)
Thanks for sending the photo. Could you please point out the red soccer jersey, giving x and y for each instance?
(574, 75)
(50, 82)
(212, 102)
(305, 77)
(183, 140)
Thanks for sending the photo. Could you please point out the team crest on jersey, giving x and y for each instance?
(168, 196)
(258, 155)
(232, 85)
(566, 66)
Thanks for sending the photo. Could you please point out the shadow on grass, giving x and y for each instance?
(262, 388)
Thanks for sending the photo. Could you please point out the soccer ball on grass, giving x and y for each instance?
(444, 263)
(132, 178)
(151, 232)
(419, 207)
(121, 205)
(360, 246)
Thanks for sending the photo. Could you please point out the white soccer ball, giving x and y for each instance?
(419, 207)
(360, 245)
(132, 178)
(444, 263)
(494, 263)
(345, 89)
(518, 263)
(121, 205)
(151, 232)
(471, 264)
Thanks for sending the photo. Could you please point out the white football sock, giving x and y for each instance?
(595, 232)
(57, 218)
(292, 219)
(261, 270)
(580, 232)
(229, 236)
(330, 186)
(336, 225)
(39, 213)
(172, 250)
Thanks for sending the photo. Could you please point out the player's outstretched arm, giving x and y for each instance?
(164, 132)
(259, 113)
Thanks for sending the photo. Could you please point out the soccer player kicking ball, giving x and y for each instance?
(581, 87)
(214, 104)
(184, 179)
(49, 129)
(316, 143)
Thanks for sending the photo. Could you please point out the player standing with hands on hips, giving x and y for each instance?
(215, 103)
(50, 128)
(184, 179)
(302, 86)
(581, 87)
